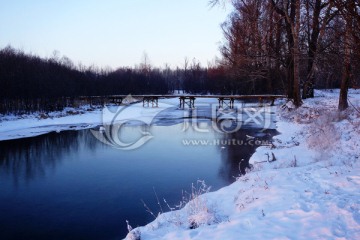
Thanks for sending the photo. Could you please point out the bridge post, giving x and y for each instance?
(150, 99)
(116, 100)
(260, 102)
(222, 102)
(144, 100)
(190, 102)
(272, 101)
(155, 101)
(181, 105)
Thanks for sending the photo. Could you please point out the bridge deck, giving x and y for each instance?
(189, 100)
(199, 96)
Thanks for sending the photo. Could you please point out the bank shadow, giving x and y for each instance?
(29, 158)
(238, 147)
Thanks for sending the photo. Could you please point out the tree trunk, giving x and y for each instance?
(345, 79)
(308, 87)
(296, 55)
(290, 61)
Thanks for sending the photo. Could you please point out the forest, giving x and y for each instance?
(285, 47)
(297, 45)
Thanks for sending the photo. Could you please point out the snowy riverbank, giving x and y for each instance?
(311, 190)
(84, 117)
(30, 125)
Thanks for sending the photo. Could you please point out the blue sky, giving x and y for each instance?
(114, 32)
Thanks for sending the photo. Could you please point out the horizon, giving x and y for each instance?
(115, 34)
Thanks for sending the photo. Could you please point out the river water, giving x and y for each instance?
(69, 185)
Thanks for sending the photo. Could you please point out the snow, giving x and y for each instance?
(14, 127)
(85, 117)
(311, 190)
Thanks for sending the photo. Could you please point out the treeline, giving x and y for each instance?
(29, 83)
(298, 45)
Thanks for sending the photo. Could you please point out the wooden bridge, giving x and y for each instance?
(225, 101)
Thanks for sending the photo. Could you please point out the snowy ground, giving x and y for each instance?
(85, 117)
(310, 191)
(14, 127)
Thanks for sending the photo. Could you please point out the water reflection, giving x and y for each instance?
(29, 158)
(238, 147)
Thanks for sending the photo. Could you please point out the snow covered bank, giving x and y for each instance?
(14, 127)
(85, 117)
(305, 186)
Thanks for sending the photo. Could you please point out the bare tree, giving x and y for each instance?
(350, 12)
(145, 65)
(296, 32)
(319, 13)
(290, 11)
(343, 98)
